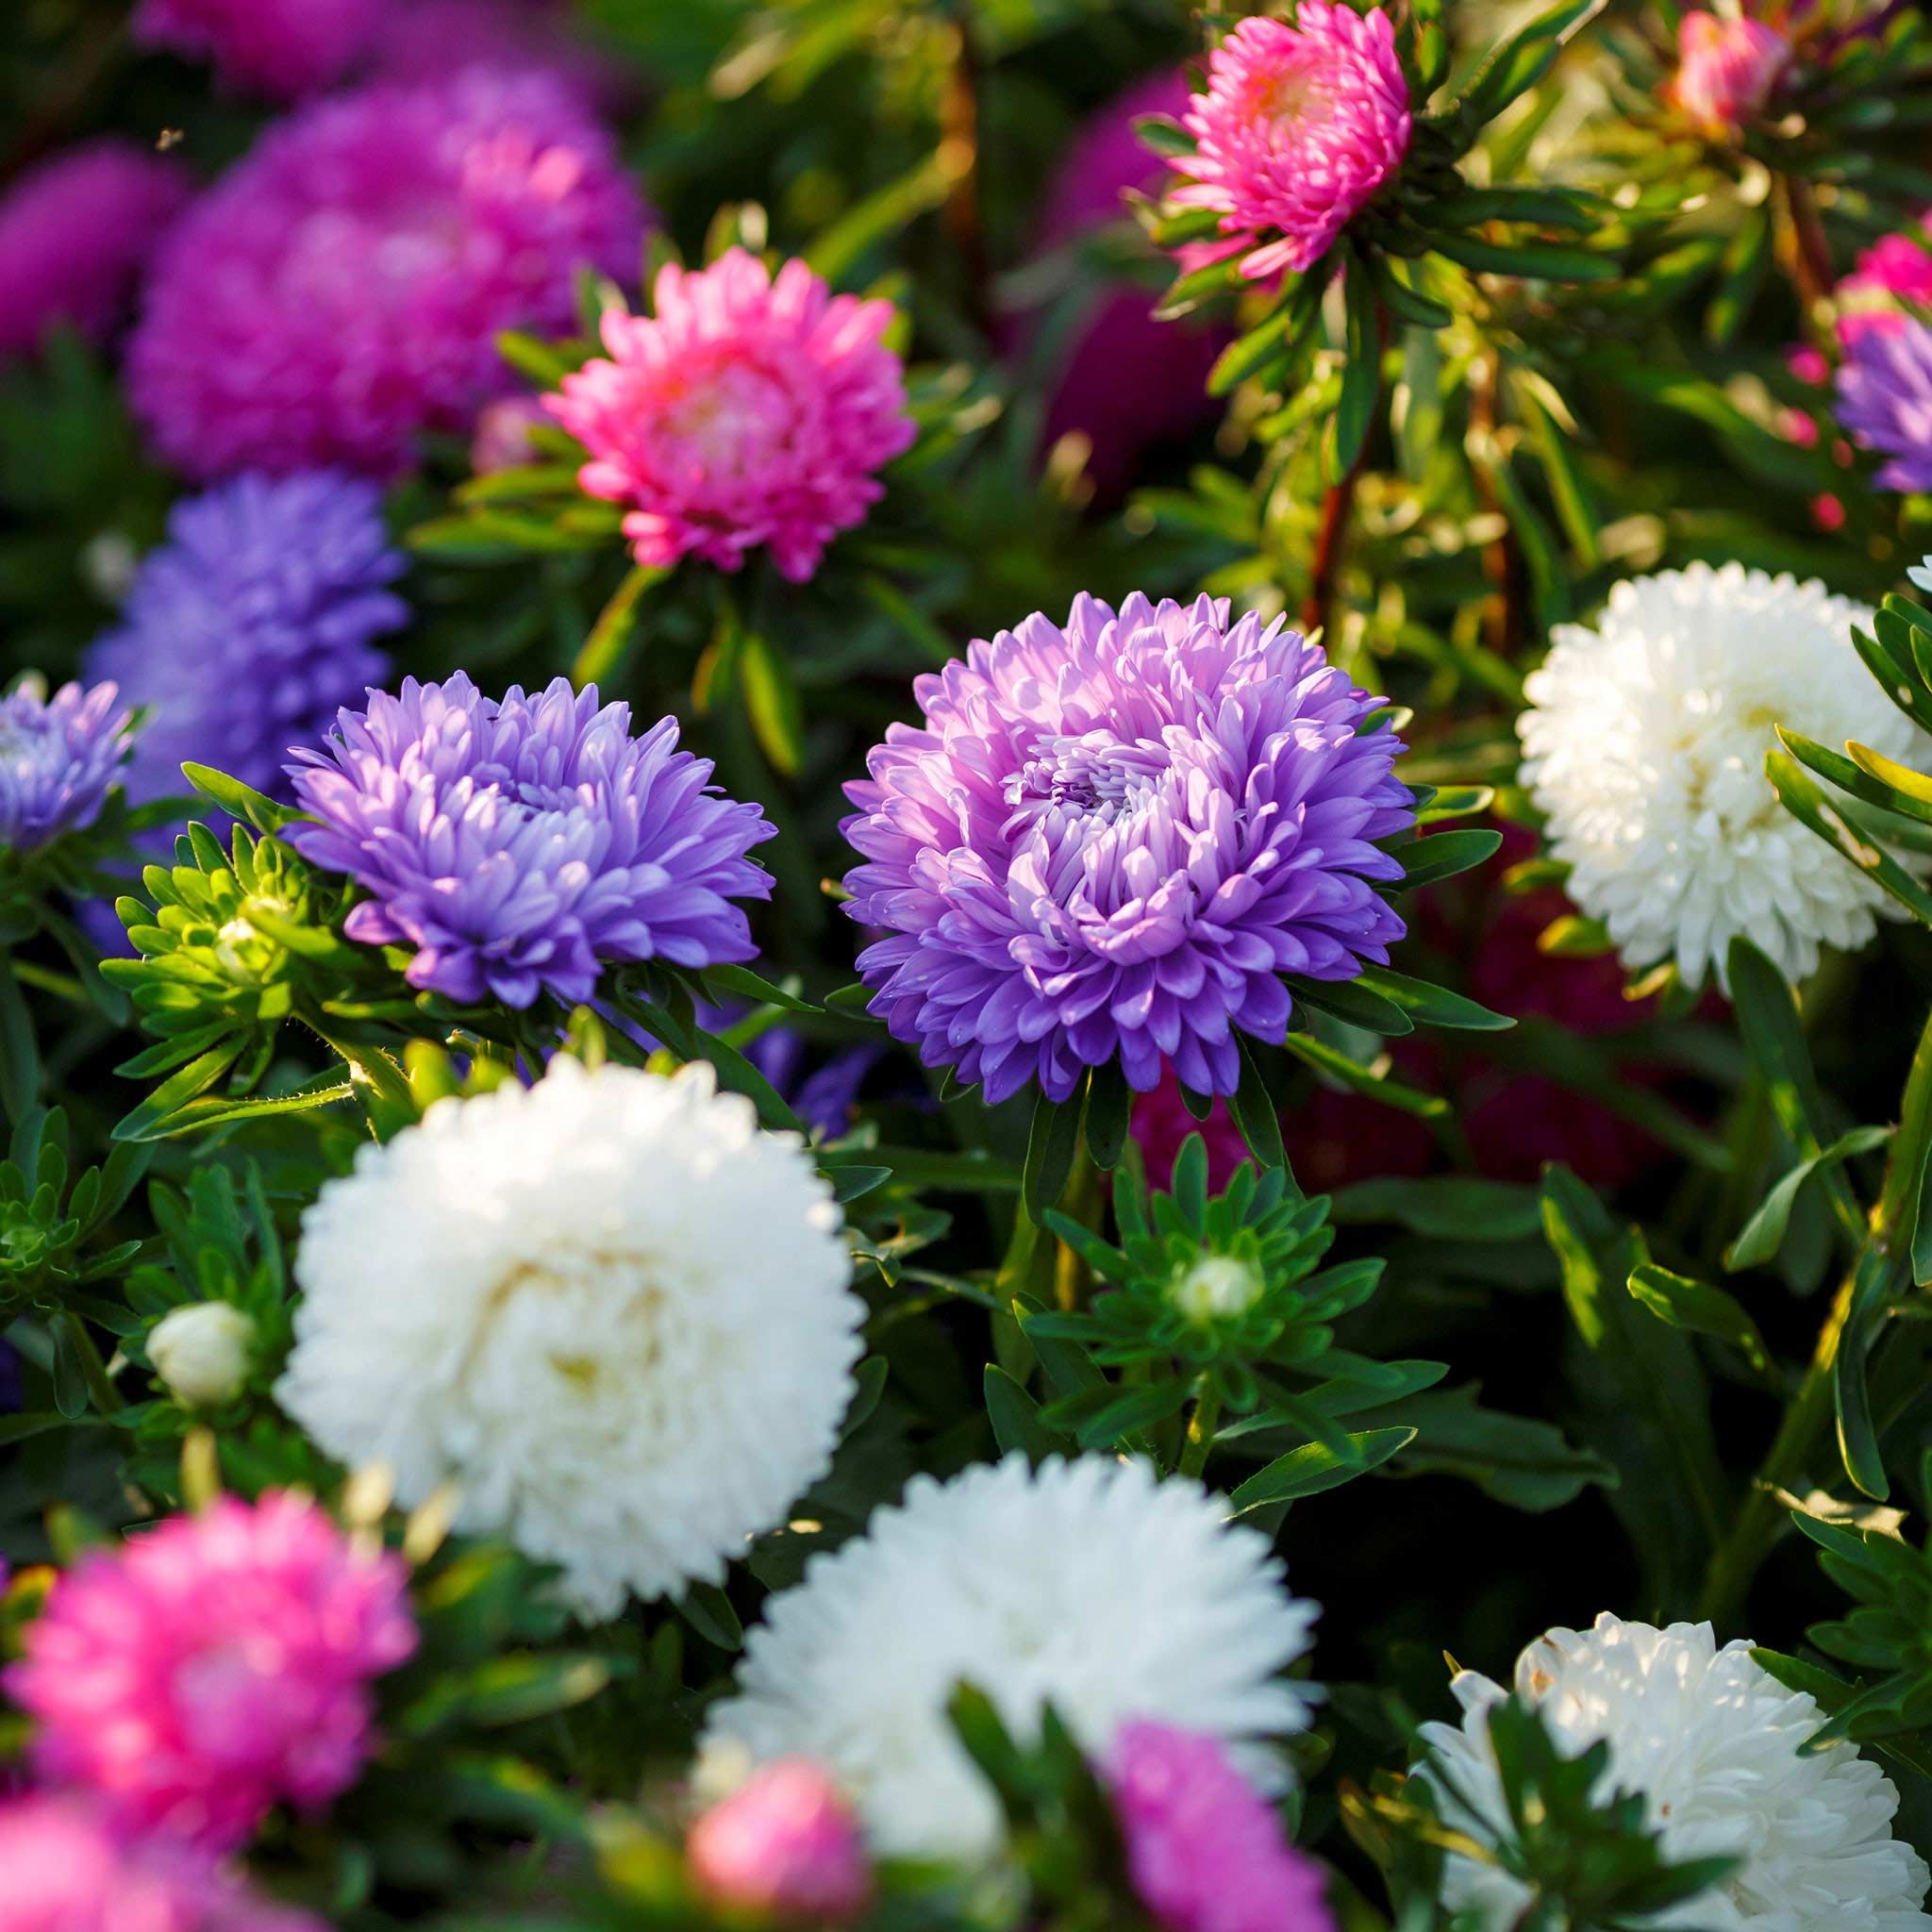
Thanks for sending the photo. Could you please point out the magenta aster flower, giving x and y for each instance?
(414, 40)
(341, 289)
(279, 48)
(59, 757)
(749, 410)
(1727, 69)
(74, 233)
(1111, 839)
(214, 1667)
(1302, 122)
(68, 1870)
(1885, 400)
(786, 1845)
(517, 845)
(1893, 275)
(1205, 1850)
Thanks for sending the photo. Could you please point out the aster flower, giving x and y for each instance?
(342, 288)
(1644, 746)
(246, 629)
(1885, 400)
(1727, 69)
(414, 39)
(68, 1870)
(213, 1667)
(1110, 838)
(59, 757)
(607, 1306)
(1892, 277)
(1204, 1849)
(1010, 1579)
(784, 1846)
(279, 48)
(1300, 124)
(74, 233)
(517, 845)
(1714, 1744)
(748, 409)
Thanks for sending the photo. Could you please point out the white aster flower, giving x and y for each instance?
(1644, 746)
(1921, 573)
(1712, 1739)
(1088, 1585)
(608, 1306)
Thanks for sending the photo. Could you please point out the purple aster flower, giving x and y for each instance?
(1885, 400)
(249, 628)
(59, 757)
(1113, 839)
(517, 845)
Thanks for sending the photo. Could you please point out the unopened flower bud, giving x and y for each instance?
(1218, 1286)
(201, 1353)
(785, 1843)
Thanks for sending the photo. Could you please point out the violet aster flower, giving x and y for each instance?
(74, 233)
(748, 409)
(280, 48)
(517, 845)
(59, 757)
(1885, 400)
(1302, 123)
(249, 628)
(1204, 1849)
(341, 288)
(1111, 839)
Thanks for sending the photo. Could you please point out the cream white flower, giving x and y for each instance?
(200, 1352)
(609, 1307)
(1712, 1741)
(1088, 1585)
(1644, 746)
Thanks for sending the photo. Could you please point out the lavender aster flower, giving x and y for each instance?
(59, 757)
(246, 630)
(517, 845)
(1885, 400)
(1112, 839)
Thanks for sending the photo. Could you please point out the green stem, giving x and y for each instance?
(1201, 1427)
(388, 1103)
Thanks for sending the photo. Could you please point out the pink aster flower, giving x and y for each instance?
(1892, 277)
(74, 233)
(341, 289)
(1727, 69)
(1301, 124)
(213, 1667)
(281, 48)
(1204, 1849)
(786, 1845)
(749, 410)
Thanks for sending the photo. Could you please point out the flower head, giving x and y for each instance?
(1011, 1579)
(68, 1870)
(748, 409)
(1644, 746)
(1714, 1743)
(1111, 838)
(200, 1352)
(1885, 400)
(517, 845)
(1892, 277)
(247, 629)
(1727, 69)
(341, 288)
(59, 757)
(784, 1845)
(74, 233)
(214, 1667)
(279, 48)
(1204, 1849)
(608, 1304)
(1302, 123)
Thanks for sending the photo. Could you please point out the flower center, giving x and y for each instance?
(1094, 773)
(729, 418)
(1217, 1288)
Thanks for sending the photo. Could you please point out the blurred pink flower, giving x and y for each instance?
(214, 1666)
(502, 441)
(1809, 365)
(280, 48)
(1727, 69)
(74, 233)
(748, 409)
(1301, 124)
(787, 1845)
(1895, 271)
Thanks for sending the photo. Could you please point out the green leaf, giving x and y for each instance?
(1855, 777)
(1764, 1232)
(1052, 1142)
(70, 1376)
(708, 1611)
(20, 1055)
(1432, 1006)
(1015, 1417)
(1255, 1114)
(1442, 1208)
(1702, 1308)
(239, 801)
(869, 1377)
(1523, 59)
(1362, 374)
(1110, 1111)
(144, 1122)
(772, 702)
(1808, 804)
(1313, 1467)
(1167, 138)
(603, 648)
(1519, 1460)
(1443, 855)
(1532, 261)
(1351, 1002)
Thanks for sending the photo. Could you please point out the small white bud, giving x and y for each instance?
(1216, 1286)
(200, 1352)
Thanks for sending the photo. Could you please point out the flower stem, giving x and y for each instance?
(1806, 249)
(1201, 1427)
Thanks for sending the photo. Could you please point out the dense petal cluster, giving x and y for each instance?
(785, 1845)
(519, 844)
(341, 289)
(256, 620)
(216, 1666)
(1302, 123)
(1204, 1849)
(1644, 746)
(1885, 400)
(1727, 69)
(74, 233)
(609, 1305)
(1014, 1580)
(747, 409)
(1111, 838)
(68, 1870)
(1715, 1745)
(279, 48)
(59, 757)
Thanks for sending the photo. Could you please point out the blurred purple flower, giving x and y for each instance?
(282, 49)
(59, 757)
(1884, 401)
